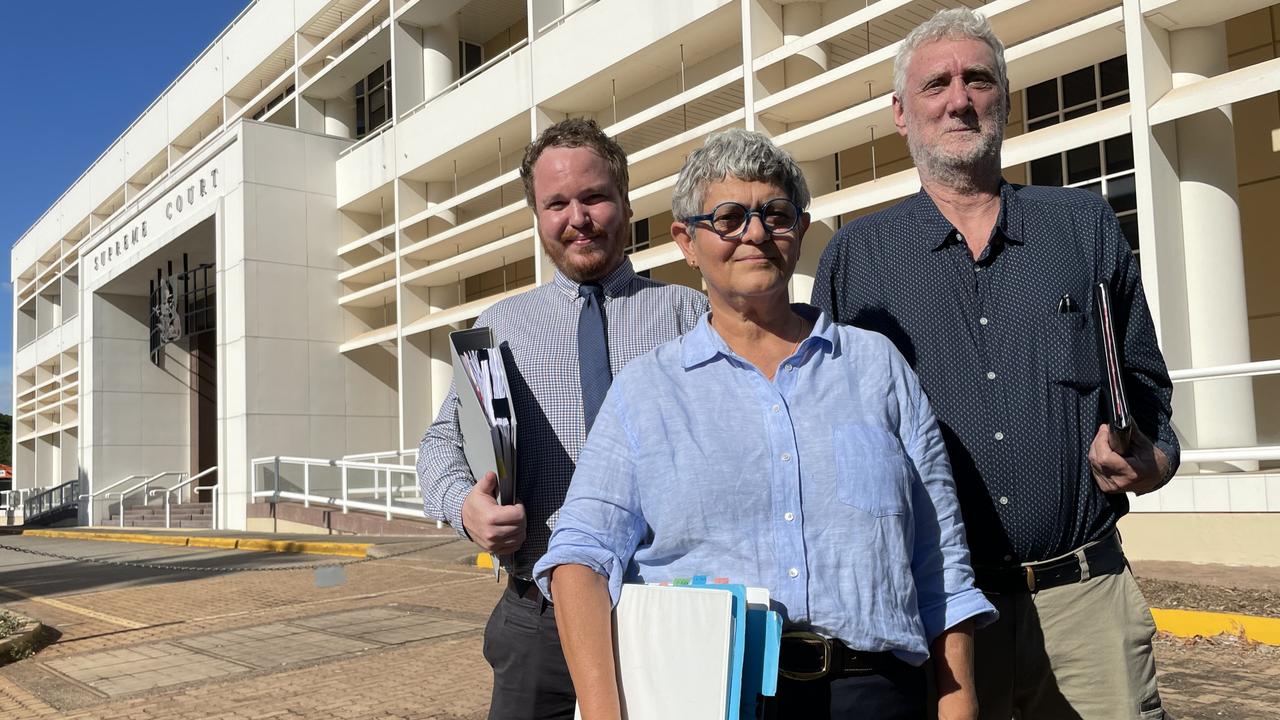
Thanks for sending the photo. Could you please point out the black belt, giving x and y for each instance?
(1104, 557)
(526, 589)
(809, 656)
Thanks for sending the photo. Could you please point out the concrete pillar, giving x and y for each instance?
(821, 176)
(441, 361)
(437, 193)
(439, 56)
(1217, 314)
(799, 19)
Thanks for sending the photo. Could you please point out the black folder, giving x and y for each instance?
(1116, 405)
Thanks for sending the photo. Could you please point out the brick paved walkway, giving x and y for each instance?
(400, 639)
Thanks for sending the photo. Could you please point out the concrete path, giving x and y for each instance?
(400, 637)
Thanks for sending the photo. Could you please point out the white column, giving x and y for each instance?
(437, 193)
(1217, 315)
(821, 177)
(799, 19)
(439, 56)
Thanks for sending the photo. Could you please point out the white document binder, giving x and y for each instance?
(674, 651)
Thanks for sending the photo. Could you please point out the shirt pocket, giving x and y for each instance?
(1071, 345)
(872, 473)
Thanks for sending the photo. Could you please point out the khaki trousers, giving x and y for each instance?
(1078, 652)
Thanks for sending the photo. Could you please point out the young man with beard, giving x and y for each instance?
(567, 339)
(986, 288)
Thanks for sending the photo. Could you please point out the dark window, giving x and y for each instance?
(1083, 164)
(1042, 99)
(1129, 226)
(1078, 87)
(470, 57)
(1047, 170)
(1104, 168)
(1119, 154)
(1122, 194)
(1114, 74)
(373, 100)
(639, 236)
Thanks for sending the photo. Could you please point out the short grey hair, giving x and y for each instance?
(737, 153)
(954, 23)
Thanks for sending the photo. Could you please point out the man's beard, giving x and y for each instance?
(962, 169)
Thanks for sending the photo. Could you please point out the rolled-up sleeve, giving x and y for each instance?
(600, 523)
(940, 565)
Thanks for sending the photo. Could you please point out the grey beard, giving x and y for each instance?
(966, 172)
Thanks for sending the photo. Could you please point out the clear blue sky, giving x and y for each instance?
(79, 72)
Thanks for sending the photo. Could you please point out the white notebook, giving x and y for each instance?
(673, 649)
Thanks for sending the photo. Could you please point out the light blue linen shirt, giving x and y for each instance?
(828, 485)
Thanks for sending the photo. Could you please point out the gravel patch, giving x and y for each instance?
(1173, 595)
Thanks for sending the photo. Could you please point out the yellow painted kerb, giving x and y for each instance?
(110, 536)
(223, 543)
(1189, 623)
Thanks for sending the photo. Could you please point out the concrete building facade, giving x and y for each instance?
(269, 260)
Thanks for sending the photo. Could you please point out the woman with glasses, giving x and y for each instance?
(776, 449)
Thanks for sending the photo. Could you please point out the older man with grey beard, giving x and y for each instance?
(987, 289)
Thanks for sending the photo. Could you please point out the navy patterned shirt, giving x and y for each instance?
(1015, 382)
(541, 327)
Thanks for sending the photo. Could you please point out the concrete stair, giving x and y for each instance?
(182, 515)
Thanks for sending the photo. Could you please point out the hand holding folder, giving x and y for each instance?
(486, 415)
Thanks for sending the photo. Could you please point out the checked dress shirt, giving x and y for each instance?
(541, 327)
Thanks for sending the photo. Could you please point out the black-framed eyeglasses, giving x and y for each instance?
(730, 219)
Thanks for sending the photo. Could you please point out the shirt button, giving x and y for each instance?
(983, 321)
(789, 516)
(1007, 558)
(786, 457)
(776, 408)
(999, 436)
(991, 375)
(793, 572)
(1004, 500)
(790, 368)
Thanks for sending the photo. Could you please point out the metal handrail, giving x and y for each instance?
(1255, 453)
(95, 495)
(1220, 372)
(187, 483)
(377, 456)
(384, 488)
(390, 123)
(560, 20)
(144, 484)
(466, 78)
(47, 501)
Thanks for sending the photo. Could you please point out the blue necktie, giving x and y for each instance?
(593, 352)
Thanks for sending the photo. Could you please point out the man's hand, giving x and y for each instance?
(498, 529)
(1141, 469)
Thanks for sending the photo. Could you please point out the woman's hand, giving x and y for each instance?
(958, 705)
(584, 617)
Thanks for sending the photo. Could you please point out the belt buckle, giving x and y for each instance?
(812, 639)
(1030, 577)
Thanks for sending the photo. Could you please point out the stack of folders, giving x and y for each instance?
(696, 649)
(486, 414)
